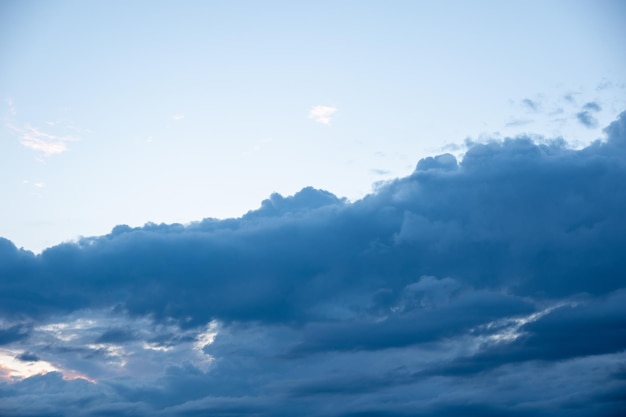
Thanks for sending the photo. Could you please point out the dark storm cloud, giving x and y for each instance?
(419, 325)
(406, 296)
(593, 328)
(513, 214)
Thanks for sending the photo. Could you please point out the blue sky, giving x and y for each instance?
(315, 209)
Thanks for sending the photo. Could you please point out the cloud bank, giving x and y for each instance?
(489, 286)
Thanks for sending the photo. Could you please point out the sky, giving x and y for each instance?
(312, 209)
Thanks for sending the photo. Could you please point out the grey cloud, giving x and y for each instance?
(116, 336)
(393, 295)
(586, 117)
(420, 325)
(530, 104)
(592, 106)
(14, 333)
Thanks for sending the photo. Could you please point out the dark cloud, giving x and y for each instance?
(593, 328)
(14, 333)
(586, 117)
(592, 106)
(28, 357)
(513, 213)
(506, 266)
(420, 324)
(116, 336)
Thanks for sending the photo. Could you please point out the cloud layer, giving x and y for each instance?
(490, 286)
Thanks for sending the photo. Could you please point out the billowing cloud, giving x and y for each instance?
(322, 114)
(487, 286)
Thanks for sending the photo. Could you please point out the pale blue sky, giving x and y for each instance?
(129, 112)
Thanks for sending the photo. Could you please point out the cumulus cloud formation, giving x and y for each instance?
(322, 114)
(493, 285)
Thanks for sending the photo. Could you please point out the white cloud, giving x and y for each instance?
(43, 142)
(12, 368)
(178, 116)
(322, 114)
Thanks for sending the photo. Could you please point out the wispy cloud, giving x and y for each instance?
(531, 105)
(380, 171)
(12, 110)
(178, 116)
(46, 143)
(34, 184)
(322, 114)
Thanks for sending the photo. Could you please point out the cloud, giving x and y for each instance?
(322, 114)
(378, 171)
(28, 357)
(586, 116)
(531, 105)
(45, 143)
(177, 117)
(576, 330)
(504, 266)
(14, 333)
(592, 106)
(41, 141)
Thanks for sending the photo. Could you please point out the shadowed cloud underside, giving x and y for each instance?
(493, 285)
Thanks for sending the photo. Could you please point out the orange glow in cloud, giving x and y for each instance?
(13, 369)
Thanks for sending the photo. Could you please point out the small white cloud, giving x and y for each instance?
(46, 143)
(178, 117)
(322, 114)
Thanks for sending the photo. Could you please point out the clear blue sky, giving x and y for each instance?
(129, 112)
